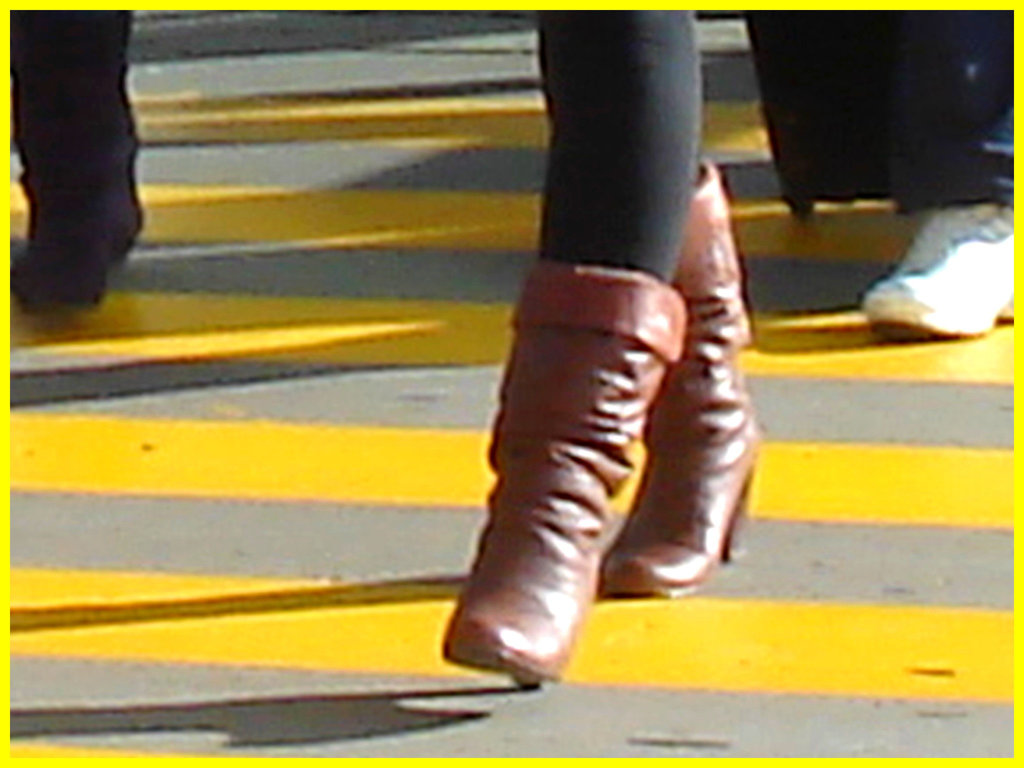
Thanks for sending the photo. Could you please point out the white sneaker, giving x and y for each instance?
(955, 281)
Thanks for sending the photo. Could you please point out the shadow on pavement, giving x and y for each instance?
(268, 721)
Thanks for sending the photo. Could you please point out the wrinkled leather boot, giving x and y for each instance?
(76, 139)
(701, 438)
(591, 348)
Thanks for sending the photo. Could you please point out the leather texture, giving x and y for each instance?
(591, 348)
(702, 437)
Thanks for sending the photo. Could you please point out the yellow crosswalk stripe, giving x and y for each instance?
(152, 327)
(465, 220)
(367, 465)
(247, 342)
(167, 326)
(841, 345)
(59, 752)
(449, 123)
(438, 122)
(45, 590)
(698, 643)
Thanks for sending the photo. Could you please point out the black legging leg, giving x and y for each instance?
(624, 97)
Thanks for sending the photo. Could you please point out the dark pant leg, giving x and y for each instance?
(953, 110)
(623, 92)
(76, 138)
(72, 121)
(825, 81)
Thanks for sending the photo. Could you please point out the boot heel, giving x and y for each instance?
(732, 547)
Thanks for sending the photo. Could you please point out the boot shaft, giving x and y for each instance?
(592, 346)
(710, 276)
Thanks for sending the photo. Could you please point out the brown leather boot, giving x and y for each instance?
(591, 348)
(701, 438)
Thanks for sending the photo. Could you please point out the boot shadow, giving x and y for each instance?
(265, 722)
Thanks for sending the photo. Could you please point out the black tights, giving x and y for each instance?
(624, 97)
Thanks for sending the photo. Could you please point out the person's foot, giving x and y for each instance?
(956, 280)
(67, 261)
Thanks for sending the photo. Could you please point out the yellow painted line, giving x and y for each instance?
(857, 231)
(43, 600)
(443, 122)
(249, 460)
(403, 219)
(269, 460)
(242, 342)
(170, 100)
(350, 218)
(59, 752)
(140, 327)
(42, 589)
(699, 643)
(841, 482)
(735, 127)
(841, 345)
(136, 327)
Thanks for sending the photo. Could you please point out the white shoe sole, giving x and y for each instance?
(900, 318)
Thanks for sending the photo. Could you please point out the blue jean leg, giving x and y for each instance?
(953, 111)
